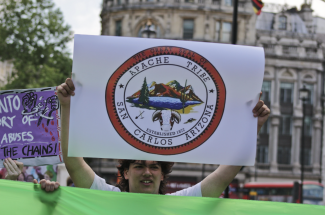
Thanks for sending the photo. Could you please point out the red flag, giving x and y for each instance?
(257, 6)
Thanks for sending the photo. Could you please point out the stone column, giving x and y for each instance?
(300, 85)
(273, 144)
(315, 147)
(275, 105)
(297, 125)
(318, 95)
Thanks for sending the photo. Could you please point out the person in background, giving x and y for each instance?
(48, 175)
(36, 172)
(30, 178)
(70, 182)
(24, 171)
(14, 170)
(3, 173)
(51, 168)
(21, 177)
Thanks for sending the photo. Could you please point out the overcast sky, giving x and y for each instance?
(83, 15)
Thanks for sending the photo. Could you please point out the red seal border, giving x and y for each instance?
(157, 51)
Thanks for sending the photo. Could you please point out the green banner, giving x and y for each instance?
(27, 198)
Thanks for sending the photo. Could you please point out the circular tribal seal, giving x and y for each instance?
(165, 100)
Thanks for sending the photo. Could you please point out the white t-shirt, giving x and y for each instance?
(100, 184)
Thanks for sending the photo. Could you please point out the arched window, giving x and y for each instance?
(282, 22)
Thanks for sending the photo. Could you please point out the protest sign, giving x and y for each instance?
(164, 100)
(29, 122)
(70, 200)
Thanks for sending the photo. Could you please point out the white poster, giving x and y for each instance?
(166, 100)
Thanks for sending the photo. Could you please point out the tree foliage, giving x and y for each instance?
(34, 36)
(144, 93)
(184, 98)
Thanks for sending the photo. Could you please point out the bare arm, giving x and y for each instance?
(81, 174)
(215, 183)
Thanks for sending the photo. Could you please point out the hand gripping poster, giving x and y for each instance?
(164, 100)
(29, 126)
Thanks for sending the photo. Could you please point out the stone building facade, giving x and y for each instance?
(294, 49)
(294, 58)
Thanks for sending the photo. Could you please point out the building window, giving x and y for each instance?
(285, 125)
(284, 154)
(308, 126)
(228, 2)
(118, 28)
(310, 87)
(217, 2)
(262, 154)
(286, 90)
(226, 32)
(217, 32)
(188, 28)
(266, 91)
(307, 156)
(282, 22)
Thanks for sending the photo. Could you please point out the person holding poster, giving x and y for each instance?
(142, 176)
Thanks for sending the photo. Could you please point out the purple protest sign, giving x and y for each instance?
(29, 125)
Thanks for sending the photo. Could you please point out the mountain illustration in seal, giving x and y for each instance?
(171, 95)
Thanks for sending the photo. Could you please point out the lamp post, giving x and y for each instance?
(233, 41)
(148, 29)
(234, 22)
(257, 143)
(304, 96)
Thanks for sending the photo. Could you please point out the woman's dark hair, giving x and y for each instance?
(69, 181)
(123, 184)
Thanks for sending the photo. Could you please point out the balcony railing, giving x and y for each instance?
(290, 50)
(263, 166)
(285, 167)
(130, 3)
(269, 48)
(311, 53)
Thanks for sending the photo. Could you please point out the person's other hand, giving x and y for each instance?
(14, 168)
(65, 91)
(48, 186)
(262, 112)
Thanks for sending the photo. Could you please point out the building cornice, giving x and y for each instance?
(177, 6)
(294, 58)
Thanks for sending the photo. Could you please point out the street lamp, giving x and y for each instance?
(148, 30)
(257, 143)
(304, 94)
